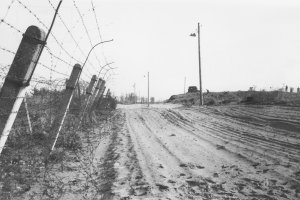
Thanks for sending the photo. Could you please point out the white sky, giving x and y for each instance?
(243, 42)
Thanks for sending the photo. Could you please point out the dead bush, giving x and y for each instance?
(210, 101)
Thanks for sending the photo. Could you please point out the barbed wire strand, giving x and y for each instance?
(7, 11)
(49, 82)
(72, 37)
(86, 31)
(45, 26)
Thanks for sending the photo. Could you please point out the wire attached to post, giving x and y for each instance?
(49, 31)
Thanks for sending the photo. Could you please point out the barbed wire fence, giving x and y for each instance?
(52, 106)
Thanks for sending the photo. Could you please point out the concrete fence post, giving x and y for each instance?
(99, 93)
(96, 91)
(79, 94)
(107, 96)
(108, 93)
(95, 103)
(64, 105)
(18, 78)
(101, 97)
(88, 93)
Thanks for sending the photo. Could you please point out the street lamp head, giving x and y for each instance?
(193, 34)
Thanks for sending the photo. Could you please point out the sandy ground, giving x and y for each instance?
(229, 152)
(172, 152)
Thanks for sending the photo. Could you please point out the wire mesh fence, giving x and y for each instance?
(26, 168)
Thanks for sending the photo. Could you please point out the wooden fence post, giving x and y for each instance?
(64, 105)
(18, 78)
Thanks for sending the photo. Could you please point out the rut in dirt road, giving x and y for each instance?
(169, 152)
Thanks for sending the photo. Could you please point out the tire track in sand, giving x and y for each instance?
(167, 174)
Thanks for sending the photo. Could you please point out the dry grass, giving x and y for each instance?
(247, 97)
(22, 162)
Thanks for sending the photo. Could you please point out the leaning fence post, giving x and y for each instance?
(64, 105)
(106, 105)
(98, 88)
(88, 93)
(96, 91)
(108, 93)
(108, 97)
(98, 96)
(18, 78)
(101, 97)
(100, 92)
(79, 94)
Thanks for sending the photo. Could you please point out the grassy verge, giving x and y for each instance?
(24, 171)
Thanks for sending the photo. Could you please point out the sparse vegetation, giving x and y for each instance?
(239, 97)
(22, 162)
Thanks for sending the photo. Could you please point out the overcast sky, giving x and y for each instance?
(243, 42)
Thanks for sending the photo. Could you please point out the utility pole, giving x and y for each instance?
(134, 92)
(184, 85)
(200, 80)
(148, 89)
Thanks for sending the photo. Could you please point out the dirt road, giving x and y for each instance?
(229, 152)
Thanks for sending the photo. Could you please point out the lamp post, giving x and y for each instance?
(199, 57)
(148, 89)
(184, 85)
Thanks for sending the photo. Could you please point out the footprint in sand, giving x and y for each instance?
(162, 187)
(171, 181)
(191, 166)
(183, 165)
(140, 190)
(200, 167)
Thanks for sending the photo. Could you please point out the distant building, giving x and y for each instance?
(192, 89)
(152, 100)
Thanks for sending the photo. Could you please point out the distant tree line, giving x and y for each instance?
(132, 98)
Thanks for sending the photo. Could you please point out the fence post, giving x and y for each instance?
(64, 106)
(108, 93)
(101, 97)
(79, 94)
(18, 78)
(88, 93)
(96, 91)
(107, 96)
(98, 96)
(100, 92)
(96, 102)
